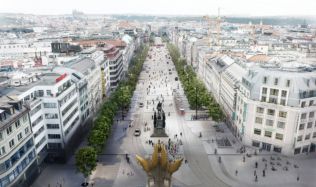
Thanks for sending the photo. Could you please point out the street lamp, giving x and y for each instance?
(196, 103)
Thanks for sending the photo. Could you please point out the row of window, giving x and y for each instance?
(271, 112)
(307, 137)
(276, 81)
(67, 97)
(5, 181)
(269, 122)
(273, 100)
(268, 134)
(13, 46)
(69, 107)
(70, 116)
(54, 136)
(276, 149)
(9, 163)
(308, 126)
(17, 124)
(304, 103)
(274, 92)
(304, 115)
(72, 125)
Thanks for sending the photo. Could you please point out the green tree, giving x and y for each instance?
(86, 161)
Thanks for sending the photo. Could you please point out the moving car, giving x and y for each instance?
(137, 132)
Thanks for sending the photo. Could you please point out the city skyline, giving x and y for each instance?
(177, 7)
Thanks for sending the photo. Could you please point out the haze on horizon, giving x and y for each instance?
(163, 7)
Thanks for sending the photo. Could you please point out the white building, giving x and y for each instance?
(276, 109)
(17, 151)
(54, 110)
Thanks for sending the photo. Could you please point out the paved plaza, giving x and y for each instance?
(157, 83)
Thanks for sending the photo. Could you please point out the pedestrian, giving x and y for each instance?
(263, 173)
(265, 165)
(256, 178)
(236, 172)
(256, 164)
(298, 178)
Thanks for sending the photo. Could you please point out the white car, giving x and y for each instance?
(137, 132)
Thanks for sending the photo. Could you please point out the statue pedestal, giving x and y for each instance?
(159, 132)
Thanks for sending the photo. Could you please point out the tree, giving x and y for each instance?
(86, 161)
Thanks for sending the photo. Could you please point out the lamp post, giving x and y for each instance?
(196, 103)
(122, 103)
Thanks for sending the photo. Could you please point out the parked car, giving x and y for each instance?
(141, 105)
(137, 132)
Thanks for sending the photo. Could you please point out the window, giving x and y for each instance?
(264, 90)
(274, 92)
(35, 110)
(271, 112)
(297, 151)
(314, 135)
(9, 130)
(2, 150)
(303, 116)
(24, 119)
(257, 131)
(278, 136)
(260, 110)
(1, 136)
(53, 136)
(11, 143)
(19, 136)
(282, 114)
(17, 124)
(288, 83)
(281, 125)
(269, 122)
(263, 99)
(282, 102)
(307, 137)
(276, 81)
(265, 80)
(277, 149)
(302, 126)
(26, 130)
(48, 92)
(268, 134)
(283, 93)
(309, 125)
(303, 104)
(311, 102)
(255, 143)
(258, 120)
(50, 105)
(299, 138)
(273, 100)
(51, 116)
(52, 126)
(311, 114)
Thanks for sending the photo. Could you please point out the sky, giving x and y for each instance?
(164, 7)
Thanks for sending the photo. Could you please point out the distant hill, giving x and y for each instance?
(266, 20)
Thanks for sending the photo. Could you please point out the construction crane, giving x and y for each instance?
(214, 22)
